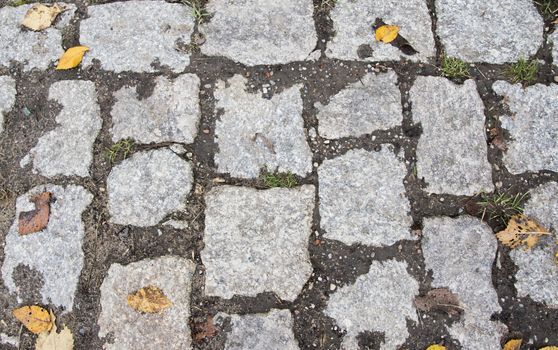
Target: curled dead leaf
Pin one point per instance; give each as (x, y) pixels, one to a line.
(387, 33)
(72, 57)
(35, 318)
(149, 299)
(521, 230)
(35, 220)
(439, 299)
(40, 16)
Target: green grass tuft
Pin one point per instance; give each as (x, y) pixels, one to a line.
(549, 8)
(454, 68)
(16, 3)
(198, 10)
(272, 180)
(501, 206)
(523, 71)
(119, 150)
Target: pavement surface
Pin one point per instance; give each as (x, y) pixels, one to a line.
(287, 181)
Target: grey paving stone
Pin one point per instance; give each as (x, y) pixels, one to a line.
(380, 301)
(460, 253)
(31, 49)
(270, 331)
(132, 330)
(256, 32)
(537, 276)
(67, 150)
(55, 252)
(253, 132)
(532, 125)
(451, 153)
(370, 104)
(353, 21)
(137, 35)
(362, 198)
(7, 97)
(255, 238)
(170, 114)
(491, 31)
(145, 188)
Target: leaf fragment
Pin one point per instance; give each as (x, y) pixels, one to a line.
(35, 318)
(35, 220)
(149, 299)
(549, 348)
(513, 344)
(204, 330)
(41, 16)
(72, 57)
(436, 347)
(387, 33)
(53, 340)
(521, 230)
(439, 299)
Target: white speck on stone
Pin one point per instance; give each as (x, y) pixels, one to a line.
(137, 35)
(132, 330)
(491, 31)
(145, 188)
(452, 151)
(170, 114)
(67, 150)
(256, 32)
(255, 238)
(370, 104)
(353, 21)
(381, 301)
(537, 276)
(533, 126)
(362, 198)
(55, 252)
(460, 253)
(30, 48)
(7, 97)
(270, 331)
(254, 132)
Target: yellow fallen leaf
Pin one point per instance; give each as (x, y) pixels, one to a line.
(149, 299)
(34, 318)
(521, 230)
(72, 57)
(549, 348)
(40, 16)
(513, 344)
(436, 347)
(387, 33)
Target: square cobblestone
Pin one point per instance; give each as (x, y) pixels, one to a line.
(452, 150)
(256, 32)
(256, 241)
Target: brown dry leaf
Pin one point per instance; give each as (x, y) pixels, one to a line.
(72, 57)
(439, 299)
(149, 299)
(35, 220)
(53, 340)
(436, 347)
(35, 318)
(521, 230)
(513, 344)
(204, 330)
(40, 16)
(387, 33)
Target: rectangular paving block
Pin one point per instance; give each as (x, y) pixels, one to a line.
(353, 25)
(254, 132)
(129, 329)
(256, 32)
(32, 49)
(491, 31)
(7, 97)
(451, 153)
(532, 126)
(460, 253)
(55, 252)
(362, 198)
(256, 241)
(137, 35)
(372, 103)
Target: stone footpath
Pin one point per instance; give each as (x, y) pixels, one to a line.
(155, 151)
